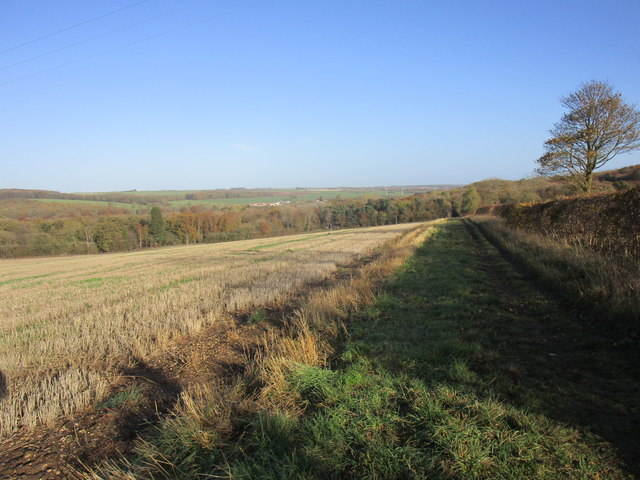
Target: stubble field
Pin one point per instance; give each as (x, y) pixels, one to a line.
(69, 325)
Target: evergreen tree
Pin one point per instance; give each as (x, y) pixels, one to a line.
(470, 200)
(157, 228)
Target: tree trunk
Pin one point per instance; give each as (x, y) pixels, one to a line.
(587, 185)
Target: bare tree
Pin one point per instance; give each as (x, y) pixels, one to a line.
(598, 126)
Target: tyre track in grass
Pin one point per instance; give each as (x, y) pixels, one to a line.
(581, 376)
(461, 369)
(462, 315)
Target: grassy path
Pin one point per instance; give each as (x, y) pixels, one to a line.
(462, 369)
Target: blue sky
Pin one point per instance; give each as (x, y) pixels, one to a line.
(285, 93)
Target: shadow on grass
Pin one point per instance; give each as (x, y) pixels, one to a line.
(460, 318)
(145, 394)
(460, 370)
(4, 389)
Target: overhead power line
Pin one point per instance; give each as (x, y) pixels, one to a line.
(106, 34)
(66, 29)
(135, 42)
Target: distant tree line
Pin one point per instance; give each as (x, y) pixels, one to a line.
(117, 197)
(121, 232)
(32, 227)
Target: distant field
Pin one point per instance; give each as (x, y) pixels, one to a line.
(86, 203)
(44, 204)
(310, 195)
(219, 202)
(292, 197)
(68, 324)
(62, 208)
(159, 193)
(300, 195)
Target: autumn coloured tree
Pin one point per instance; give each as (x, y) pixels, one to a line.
(598, 125)
(30, 227)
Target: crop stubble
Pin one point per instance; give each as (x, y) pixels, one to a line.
(69, 324)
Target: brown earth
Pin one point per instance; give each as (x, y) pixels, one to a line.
(101, 431)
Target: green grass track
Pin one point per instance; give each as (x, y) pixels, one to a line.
(461, 370)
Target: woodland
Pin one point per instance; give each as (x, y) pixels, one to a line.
(37, 222)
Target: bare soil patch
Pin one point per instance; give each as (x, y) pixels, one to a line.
(137, 399)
